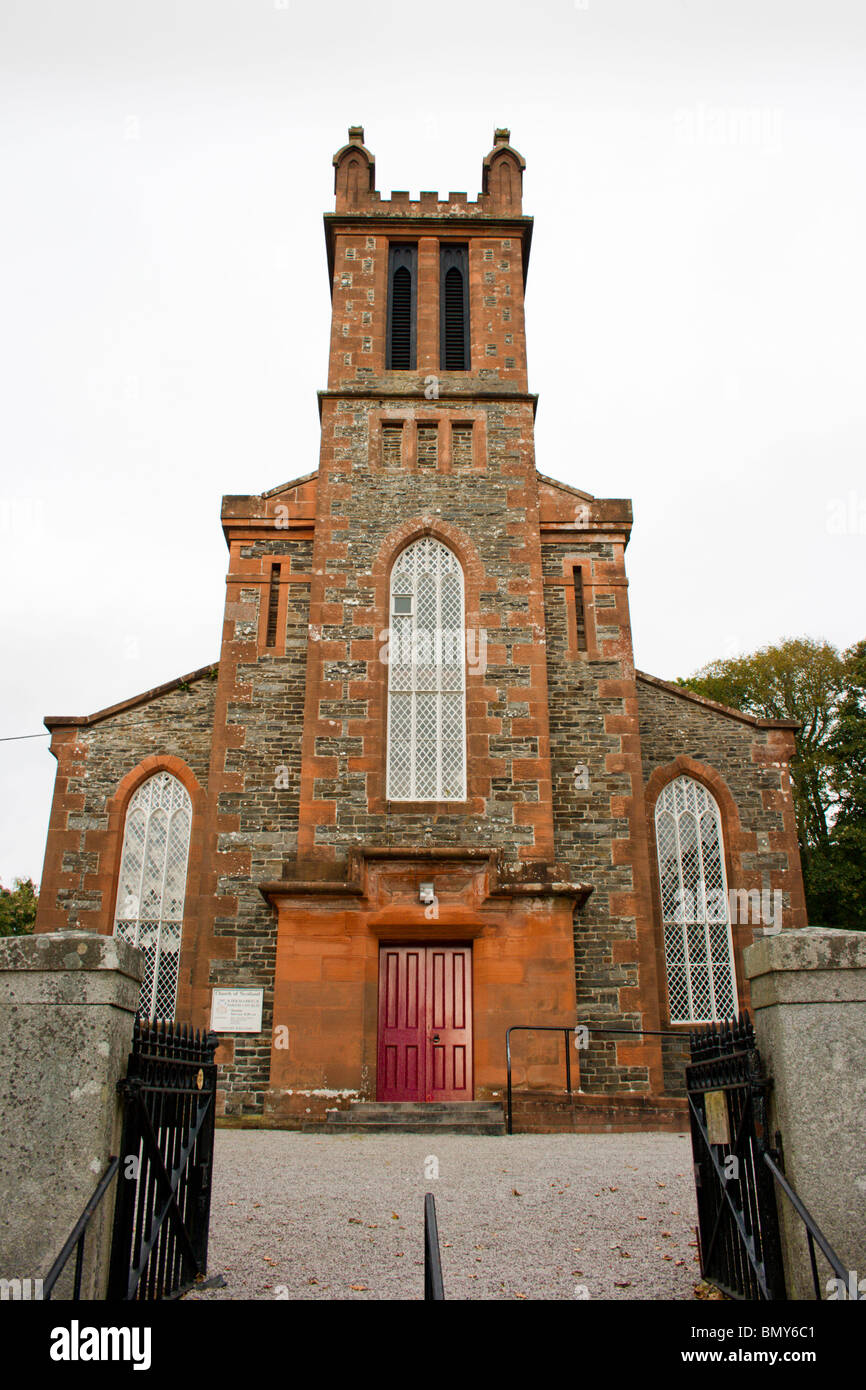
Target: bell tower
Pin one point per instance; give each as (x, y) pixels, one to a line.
(433, 287)
(427, 430)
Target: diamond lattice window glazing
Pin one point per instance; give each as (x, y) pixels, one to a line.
(696, 922)
(426, 677)
(152, 886)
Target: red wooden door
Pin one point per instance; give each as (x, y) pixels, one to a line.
(425, 1023)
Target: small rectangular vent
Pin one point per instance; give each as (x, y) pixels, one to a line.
(273, 606)
(428, 446)
(579, 610)
(461, 446)
(392, 443)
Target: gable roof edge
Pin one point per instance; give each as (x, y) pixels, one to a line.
(714, 707)
(56, 721)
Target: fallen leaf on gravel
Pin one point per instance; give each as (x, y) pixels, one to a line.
(625, 1255)
(576, 1272)
(359, 1288)
(355, 1221)
(641, 1218)
(268, 1261)
(394, 1216)
(312, 1281)
(613, 1189)
(661, 1184)
(666, 1234)
(708, 1292)
(399, 1255)
(520, 1295)
(622, 1283)
(515, 1193)
(679, 1262)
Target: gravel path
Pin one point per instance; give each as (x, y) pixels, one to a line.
(547, 1216)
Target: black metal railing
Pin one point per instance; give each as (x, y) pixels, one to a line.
(814, 1235)
(738, 1222)
(572, 1030)
(162, 1214)
(75, 1240)
(433, 1287)
(738, 1171)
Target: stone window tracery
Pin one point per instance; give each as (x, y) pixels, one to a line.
(426, 751)
(695, 907)
(152, 886)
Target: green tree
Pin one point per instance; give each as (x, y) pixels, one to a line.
(825, 690)
(18, 907)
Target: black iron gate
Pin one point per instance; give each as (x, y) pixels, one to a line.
(740, 1247)
(159, 1242)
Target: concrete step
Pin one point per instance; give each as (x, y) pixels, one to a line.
(454, 1108)
(407, 1127)
(417, 1117)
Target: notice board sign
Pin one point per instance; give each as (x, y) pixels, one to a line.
(236, 1010)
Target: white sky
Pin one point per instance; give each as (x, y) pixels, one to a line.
(696, 304)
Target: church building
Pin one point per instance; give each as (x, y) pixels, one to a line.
(424, 796)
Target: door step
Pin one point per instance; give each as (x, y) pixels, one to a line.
(416, 1117)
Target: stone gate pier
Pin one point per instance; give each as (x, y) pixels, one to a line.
(67, 1007)
(809, 1001)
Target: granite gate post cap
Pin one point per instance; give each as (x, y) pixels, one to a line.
(807, 965)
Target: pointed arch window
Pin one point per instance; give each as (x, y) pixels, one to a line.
(454, 308)
(402, 307)
(696, 921)
(426, 676)
(152, 886)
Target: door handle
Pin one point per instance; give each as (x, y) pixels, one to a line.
(434, 1037)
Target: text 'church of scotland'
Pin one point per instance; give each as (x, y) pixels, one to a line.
(424, 795)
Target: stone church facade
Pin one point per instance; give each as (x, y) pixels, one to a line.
(424, 795)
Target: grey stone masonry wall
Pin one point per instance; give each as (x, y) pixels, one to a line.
(671, 726)
(268, 767)
(67, 1005)
(586, 823)
(178, 722)
(478, 502)
(809, 1001)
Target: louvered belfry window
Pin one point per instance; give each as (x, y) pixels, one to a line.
(454, 308)
(402, 307)
(426, 681)
(696, 921)
(152, 886)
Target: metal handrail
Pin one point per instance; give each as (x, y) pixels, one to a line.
(76, 1237)
(813, 1231)
(566, 1030)
(434, 1290)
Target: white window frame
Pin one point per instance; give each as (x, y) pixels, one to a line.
(430, 681)
(687, 952)
(160, 799)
